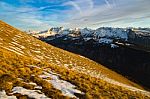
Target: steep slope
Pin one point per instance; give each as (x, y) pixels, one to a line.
(32, 66)
(125, 58)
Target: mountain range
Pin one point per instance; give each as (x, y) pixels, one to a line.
(33, 69)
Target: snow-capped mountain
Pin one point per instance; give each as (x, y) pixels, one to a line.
(102, 35)
(113, 47)
(86, 33)
(31, 68)
(108, 32)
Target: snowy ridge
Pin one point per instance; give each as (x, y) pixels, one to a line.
(111, 33)
(86, 32)
(105, 32)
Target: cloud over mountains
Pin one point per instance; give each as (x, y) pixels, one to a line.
(41, 14)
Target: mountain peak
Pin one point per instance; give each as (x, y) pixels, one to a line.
(31, 68)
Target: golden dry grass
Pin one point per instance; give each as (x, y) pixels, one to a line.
(14, 66)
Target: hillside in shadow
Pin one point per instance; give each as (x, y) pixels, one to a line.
(130, 62)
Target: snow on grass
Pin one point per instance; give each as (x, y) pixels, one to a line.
(82, 56)
(13, 51)
(16, 49)
(14, 39)
(32, 83)
(19, 35)
(37, 94)
(111, 81)
(4, 96)
(66, 88)
(36, 86)
(20, 79)
(39, 57)
(36, 59)
(114, 46)
(37, 45)
(36, 51)
(33, 66)
(21, 46)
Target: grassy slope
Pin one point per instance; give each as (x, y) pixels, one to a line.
(13, 66)
(49, 52)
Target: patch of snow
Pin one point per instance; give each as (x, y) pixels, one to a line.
(4, 96)
(16, 49)
(66, 88)
(21, 46)
(105, 40)
(38, 87)
(75, 38)
(36, 59)
(32, 83)
(20, 79)
(13, 51)
(37, 51)
(114, 46)
(19, 35)
(37, 94)
(15, 43)
(128, 44)
(82, 56)
(38, 45)
(49, 39)
(87, 39)
(66, 65)
(120, 43)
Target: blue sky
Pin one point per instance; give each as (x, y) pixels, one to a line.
(44, 14)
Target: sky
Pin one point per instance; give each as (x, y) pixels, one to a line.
(44, 14)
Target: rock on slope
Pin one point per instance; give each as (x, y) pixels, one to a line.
(30, 68)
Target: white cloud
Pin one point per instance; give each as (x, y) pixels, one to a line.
(108, 4)
(80, 13)
(111, 11)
